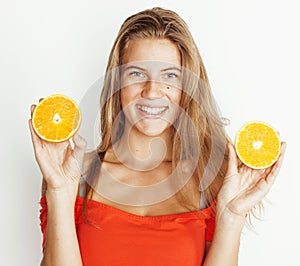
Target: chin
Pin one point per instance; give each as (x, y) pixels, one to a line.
(152, 131)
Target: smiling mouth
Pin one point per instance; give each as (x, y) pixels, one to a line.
(153, 111)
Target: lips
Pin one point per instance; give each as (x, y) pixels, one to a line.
(155, 111)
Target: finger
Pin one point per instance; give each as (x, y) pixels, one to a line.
(269, 175)
(245, 170)
(270, 178)
(79, 147)
(232, 162)
(267, 171)
(257, 174)
(251, 177)
(67, 152)
(36, 141)
(258, 192)
(264, 185)
(270, 169)
(60, 149)
(32, 107)
(41, 99)
(283, 148)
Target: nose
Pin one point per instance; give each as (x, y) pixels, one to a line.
(152, 89)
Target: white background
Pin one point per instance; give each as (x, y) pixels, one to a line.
(251, 52)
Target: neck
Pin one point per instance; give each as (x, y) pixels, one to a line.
(143, 152)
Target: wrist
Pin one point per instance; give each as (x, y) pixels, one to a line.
(226, 218)
(64, 197)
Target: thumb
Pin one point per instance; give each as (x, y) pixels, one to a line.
(79, 147)
(232, 161)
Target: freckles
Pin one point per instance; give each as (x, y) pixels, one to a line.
(129, 94)
(123, 96)
(176, 95)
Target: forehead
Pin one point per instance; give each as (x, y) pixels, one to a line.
(162, 51)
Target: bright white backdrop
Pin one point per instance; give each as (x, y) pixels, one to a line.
(251, 52)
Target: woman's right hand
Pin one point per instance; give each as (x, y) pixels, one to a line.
(60, 165)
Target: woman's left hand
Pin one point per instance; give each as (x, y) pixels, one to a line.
(244, 187)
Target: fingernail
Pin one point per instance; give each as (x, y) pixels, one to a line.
(284, 147)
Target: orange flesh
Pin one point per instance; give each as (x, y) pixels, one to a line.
(257, 145)
(56, 118)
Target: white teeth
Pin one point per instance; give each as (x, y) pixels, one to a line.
(152, 110)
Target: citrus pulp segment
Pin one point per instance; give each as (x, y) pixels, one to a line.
(257, 145)
(56, 118)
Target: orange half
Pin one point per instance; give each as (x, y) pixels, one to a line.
(257, 144)
(56, 118)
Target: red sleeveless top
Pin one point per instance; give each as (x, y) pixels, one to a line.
(117, 238)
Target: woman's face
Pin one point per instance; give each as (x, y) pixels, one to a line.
(151, 85)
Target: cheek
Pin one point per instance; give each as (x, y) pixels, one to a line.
(176, 96)
(128, 94)
(125, 97)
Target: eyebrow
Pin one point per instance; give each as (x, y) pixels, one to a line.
(143, 69)
(172, 68)
(134, 67)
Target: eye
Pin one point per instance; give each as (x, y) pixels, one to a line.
(136, 74)
(171, 75)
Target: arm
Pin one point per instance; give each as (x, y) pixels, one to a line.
(224, 248)
(242, 189)
(60, 165)
(61, 240)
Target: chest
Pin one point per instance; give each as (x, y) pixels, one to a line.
(167, 207)
(122, 188)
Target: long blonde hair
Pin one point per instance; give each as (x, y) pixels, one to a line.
(196, 101)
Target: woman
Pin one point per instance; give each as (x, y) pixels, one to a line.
(164, 186)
